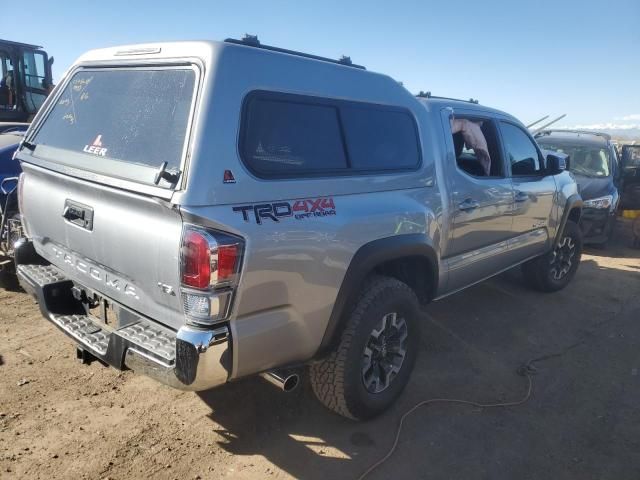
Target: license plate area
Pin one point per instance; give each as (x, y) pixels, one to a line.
(102, 310)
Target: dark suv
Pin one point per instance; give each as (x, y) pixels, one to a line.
(594, 163)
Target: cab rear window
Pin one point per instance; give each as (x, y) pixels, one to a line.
(131, 116)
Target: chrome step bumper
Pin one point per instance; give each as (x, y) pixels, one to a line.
(189, 359)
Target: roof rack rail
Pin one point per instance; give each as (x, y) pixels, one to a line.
(549, 131)
(20, 44)
(252, 41)
(422, 94)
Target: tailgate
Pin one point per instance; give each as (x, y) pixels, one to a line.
(120, 244)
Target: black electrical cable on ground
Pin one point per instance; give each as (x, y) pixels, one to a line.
(526, 370)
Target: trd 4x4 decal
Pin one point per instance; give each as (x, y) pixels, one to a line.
(298, 209)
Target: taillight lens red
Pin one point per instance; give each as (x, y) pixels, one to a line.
(227, 258)
(208, 261)
(196, 260)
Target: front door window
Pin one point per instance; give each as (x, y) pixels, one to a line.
(521, 151)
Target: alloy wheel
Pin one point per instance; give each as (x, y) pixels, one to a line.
(384, 352)
(562, 258)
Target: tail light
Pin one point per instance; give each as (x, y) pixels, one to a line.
(210, 267)
(196, 260)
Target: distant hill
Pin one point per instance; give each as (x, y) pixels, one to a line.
(626, 133)
(630, 134)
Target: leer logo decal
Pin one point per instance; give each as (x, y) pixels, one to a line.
(96, 147)
(299, 209)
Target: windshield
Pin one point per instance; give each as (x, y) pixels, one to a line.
(120, 119)
(584, 160)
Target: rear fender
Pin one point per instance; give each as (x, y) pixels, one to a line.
(364, 262)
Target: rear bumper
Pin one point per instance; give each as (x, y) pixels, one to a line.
(189, 359)
(596, 224)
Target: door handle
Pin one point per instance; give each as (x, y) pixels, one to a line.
(468, 204)
(522, 197)
(78, 214)
(72, 214)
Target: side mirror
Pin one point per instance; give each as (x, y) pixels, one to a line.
(557, 163)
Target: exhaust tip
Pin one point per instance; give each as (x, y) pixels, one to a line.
(287, 381)
(291, 383)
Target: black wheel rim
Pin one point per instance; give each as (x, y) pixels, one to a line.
(384, 353)
(562, 258)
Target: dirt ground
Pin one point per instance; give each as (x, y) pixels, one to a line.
(60, 419)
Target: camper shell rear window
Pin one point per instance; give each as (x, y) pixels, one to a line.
(122, 122)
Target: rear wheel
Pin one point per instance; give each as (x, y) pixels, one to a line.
(373, 360)
(554, 271)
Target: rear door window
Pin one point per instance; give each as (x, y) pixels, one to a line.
(470, 161)
(120, 118)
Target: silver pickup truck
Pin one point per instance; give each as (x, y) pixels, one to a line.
(203, 211)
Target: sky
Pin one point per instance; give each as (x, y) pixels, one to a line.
(529, 58)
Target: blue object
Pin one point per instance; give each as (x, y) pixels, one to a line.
(8, 167)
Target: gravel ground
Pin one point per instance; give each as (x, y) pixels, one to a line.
(60, 419)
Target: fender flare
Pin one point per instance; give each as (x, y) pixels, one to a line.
(573, 202)
(364, 261)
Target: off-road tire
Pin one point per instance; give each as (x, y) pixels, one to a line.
(538, 272)
(337, 379)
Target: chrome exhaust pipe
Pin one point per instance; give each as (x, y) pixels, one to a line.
(285, 380)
